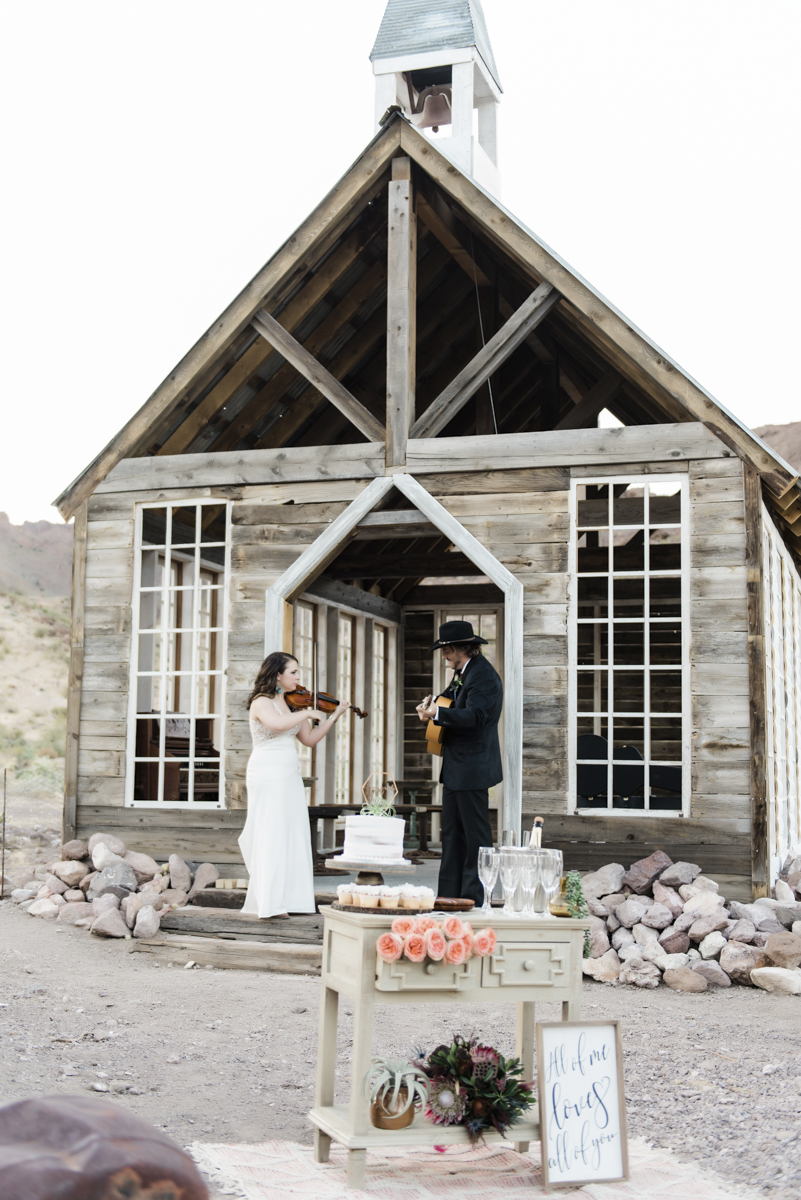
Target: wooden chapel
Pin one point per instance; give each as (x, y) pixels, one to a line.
(396, 423)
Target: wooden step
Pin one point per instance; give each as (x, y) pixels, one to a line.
(231, 925)
(288, 958)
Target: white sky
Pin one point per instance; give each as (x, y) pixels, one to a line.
(156, 154)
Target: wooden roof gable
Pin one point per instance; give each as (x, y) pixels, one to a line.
(495, 318)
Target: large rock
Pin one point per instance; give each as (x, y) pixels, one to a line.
(74, 849)
(43, 908)
(115, 844)
(641, 875)
(600, 883)
(147, 922)
(612, 923)
(622, 937)
(713, 973)
(786, 915)
(139, 900)
(173, 898)
(57, 886)
(143, 866)
(74, 896)
(70, 871)
(668, 897)
(784, 949)
(68, 914)
(796, 928)
(102, 904)
(643, 935)
(658, 916)
(739, 960)
(710, 923)
(777, 979)
(20, 895)
(599, 940)
(685, 921)
(703, 883)
(742, 931)
(605, 969)
(119, 875)
(794, 880)
(631, 911)
(614, 900)
(668, 962)
(596, 907)
(673, 941)
(770, 926)
(86, 882)
(712, 945)
(685, 979)
(628, 952)
(703, 903)
(679, 873)
(747, 912)
(102, 857)
(110, 924)
(180, 874)
(641, 974)
(783, 892)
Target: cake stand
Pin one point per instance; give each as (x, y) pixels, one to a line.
(369, 874)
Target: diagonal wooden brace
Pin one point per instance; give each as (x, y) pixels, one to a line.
(318, 377)
(486, 362)
(596, 399)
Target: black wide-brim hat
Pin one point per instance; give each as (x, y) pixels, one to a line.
(457, 631)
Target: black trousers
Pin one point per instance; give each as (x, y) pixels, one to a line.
(465, 827)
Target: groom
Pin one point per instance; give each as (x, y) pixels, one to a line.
(471, 756)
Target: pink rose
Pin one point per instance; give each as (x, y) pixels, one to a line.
(493, 940)
(423, 924)
(403, 926)
(482, 943)
(435, 944)
(453, 927)
(389, 947)
(456, 952)
(414, 947)
(468, 939)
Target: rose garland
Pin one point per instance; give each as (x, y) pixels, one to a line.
(417, 938)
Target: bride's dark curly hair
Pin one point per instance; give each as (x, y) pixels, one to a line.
(267, 678)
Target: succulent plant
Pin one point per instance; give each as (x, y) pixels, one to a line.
(388, 1077)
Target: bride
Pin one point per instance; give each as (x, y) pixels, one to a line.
(275, 842)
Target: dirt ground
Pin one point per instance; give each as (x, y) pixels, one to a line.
(214, 1055)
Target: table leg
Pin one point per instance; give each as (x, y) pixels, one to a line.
(361, 1057)
(524, 1048)
(357, 1162)
(423, 832)
(326, 1049)
(571, 1009)
(322, 1146)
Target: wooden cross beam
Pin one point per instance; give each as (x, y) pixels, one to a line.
(594, 402)
(450, 401)
(318, 376)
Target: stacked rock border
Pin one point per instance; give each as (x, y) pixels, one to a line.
(110, 890)
(665, 922)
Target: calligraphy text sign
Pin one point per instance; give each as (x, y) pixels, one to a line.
(581, 1102)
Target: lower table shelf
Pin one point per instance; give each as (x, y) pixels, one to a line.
(334, 1122)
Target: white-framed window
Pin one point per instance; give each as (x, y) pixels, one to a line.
(628, 645)
(378, 715)
(177, 697)
(343, 768)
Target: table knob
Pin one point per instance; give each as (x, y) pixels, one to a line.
(432, 968)
(529, 964)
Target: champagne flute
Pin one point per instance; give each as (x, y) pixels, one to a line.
(488, 867)
(551, 874)
(510, 877)
(529, 875)
(508, 838)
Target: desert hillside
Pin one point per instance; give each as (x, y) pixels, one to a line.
(785, 439)
(35, 557)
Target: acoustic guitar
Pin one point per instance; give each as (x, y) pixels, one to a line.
(434, 733)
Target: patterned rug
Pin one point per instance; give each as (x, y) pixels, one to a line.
(283, 1170)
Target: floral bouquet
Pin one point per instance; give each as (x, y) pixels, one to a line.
(474, 1086)
(451, 940)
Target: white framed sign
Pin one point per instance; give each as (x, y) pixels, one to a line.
(582, 1103)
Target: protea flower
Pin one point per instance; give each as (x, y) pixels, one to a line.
(485, 1062)
(446, 1103)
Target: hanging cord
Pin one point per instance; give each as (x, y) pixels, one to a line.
(481, 327)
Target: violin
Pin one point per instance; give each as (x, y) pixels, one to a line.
(302, 698)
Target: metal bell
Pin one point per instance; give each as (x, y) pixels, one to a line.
(434, 106)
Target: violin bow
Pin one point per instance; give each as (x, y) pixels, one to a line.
(314, 674)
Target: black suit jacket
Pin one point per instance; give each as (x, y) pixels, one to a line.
(471, 754)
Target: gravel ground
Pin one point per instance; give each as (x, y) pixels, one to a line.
(229, 1056)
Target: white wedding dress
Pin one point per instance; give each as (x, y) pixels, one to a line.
(275, 843)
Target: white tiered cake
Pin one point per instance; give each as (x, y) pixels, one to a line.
(377, 840)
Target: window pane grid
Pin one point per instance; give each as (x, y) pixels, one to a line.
(177, 747)
(628, 668)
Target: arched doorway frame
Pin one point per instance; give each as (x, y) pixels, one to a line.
(314, 559)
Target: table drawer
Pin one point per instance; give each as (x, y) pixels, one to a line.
(405, 976)
(526, 964)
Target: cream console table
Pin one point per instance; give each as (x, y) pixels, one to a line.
(533, 961)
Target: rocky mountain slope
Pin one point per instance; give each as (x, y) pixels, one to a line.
(35, 557)
(785, 439)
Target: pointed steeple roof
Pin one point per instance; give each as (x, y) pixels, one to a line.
(425, 26)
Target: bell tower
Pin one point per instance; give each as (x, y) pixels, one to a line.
(434, 60)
